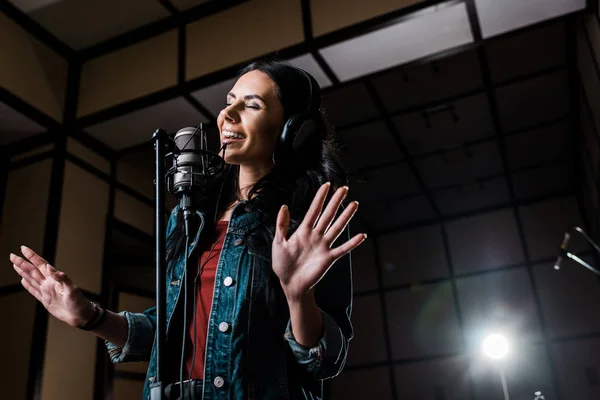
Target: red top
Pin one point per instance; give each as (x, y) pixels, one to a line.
(204, 298)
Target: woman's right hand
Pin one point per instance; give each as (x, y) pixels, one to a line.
(53, 288)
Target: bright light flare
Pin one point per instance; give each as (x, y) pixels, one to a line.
(495, 346)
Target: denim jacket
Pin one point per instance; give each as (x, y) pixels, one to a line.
(249, 354)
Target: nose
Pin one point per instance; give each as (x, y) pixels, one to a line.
(230, 114)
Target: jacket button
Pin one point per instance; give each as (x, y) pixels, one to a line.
(223, 326)
(219, 382)
(228, 281)
(248, 208)
(238, 242)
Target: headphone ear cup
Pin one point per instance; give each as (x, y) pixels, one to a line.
(295, 132)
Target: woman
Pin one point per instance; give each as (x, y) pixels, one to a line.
(272, 290)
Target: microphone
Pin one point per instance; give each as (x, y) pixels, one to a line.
(193, 168)
(563, 250)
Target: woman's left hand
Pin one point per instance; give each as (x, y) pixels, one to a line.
(303, 259)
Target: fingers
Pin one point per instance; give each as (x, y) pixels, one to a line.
(348, 246)
(316, 206)
(26, 268)
(283, 224)
(35, 292)
(27, 278)
(331, 209)
(33, 257)
(340, 224)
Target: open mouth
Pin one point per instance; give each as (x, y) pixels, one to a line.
(229, 136)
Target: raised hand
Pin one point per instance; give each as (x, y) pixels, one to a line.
(302, 260)
(53, 288)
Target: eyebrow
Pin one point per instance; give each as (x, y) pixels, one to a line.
(248, 97)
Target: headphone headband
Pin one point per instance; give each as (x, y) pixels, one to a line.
(313, 95)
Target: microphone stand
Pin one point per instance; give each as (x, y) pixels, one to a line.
(210, 165)
(160, 139)
(565, 253)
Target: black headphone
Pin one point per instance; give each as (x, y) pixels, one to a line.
(300, 126)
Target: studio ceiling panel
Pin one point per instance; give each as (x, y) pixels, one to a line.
(484, 241)
(367, 320)
(94, 21)
(446, 125)
(591, 140)
(497, 17)
(186, 4)
(566, 295)
(385, 183)
(214, 97)
(577, 368)
(332, 15)
(513, 56)
(545, 224)
(247, 31)
(138, 127)
(368, 145)
(351, 384)
(460, 165)
(14, 126)
(548, 179)
(416, 316)
(412, 255)
(523, 149)
(394, 214)
(532, 102)
(348, 104)
(440, 379)
(472, 196)
(308, 63)
(418, 84)
(364, 270)
(423, 33)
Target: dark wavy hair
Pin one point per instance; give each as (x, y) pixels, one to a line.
(294, 183)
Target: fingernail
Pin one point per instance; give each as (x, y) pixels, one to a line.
(346, 188)
(284, 206)
(327, 183)
(365, 235)
(356, 203)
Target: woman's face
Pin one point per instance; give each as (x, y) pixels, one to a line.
(251, 121)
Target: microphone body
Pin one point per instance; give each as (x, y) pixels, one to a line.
(194, 167)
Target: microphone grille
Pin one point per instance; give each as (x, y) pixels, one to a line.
(188, 139)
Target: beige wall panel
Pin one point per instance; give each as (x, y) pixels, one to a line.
(31, 153)
(331, 15)
(135, 213)
(244, 32)
(127, 389)
(18, 313)
(80, 246)
(33, 72)
(69, 363)
(134, 303)
(24, 214)
(129, 73)
(85, 153)
(137, 171)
